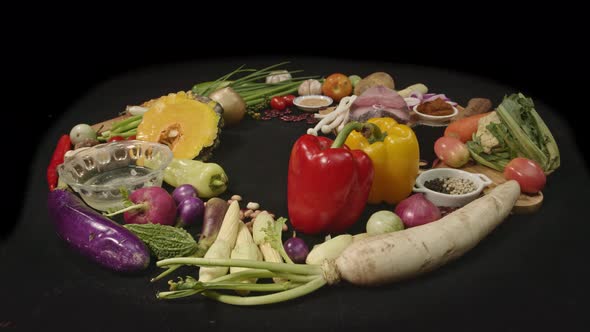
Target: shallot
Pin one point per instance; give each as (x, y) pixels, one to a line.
(417, 210)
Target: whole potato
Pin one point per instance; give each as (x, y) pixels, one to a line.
(375, 79)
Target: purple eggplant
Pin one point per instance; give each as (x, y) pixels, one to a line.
(95, 236)
(215, 210)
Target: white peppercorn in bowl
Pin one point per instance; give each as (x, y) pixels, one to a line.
(473, 183)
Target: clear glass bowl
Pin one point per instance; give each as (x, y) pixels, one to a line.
(99, 173)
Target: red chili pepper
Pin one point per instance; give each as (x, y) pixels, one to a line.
(328, 184)
(116, 139)
(63, 145)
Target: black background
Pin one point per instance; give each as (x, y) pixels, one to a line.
(53, 69)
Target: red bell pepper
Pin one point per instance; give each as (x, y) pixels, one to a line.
(328, 184)
(63, 145)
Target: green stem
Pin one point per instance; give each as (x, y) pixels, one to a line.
(246, 274)
(236, 286)
(178, 294)
(216, 184)
(304, 269)
(126, 121)
(369, 130)
(270, 298)
(280, 90)
(172, 268)
(128, 133)
(217, 181)
(165, 273)
(129, 208)
(273, 287)
(127, 127)
(296, 277)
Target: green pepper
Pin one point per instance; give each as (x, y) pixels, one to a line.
(208, 178)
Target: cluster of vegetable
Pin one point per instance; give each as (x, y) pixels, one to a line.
(513, 139)
(515, 129)
(373, 159)
(366, 260)
(236, 96)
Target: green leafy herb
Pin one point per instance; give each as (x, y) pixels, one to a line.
(521, 133)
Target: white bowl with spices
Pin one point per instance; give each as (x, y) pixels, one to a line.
(312, 103)
(462, 187)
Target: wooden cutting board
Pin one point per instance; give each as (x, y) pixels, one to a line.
(526, 203)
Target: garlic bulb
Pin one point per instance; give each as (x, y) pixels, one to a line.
(278, 76)
(310, 87)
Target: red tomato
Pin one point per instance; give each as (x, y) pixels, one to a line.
(132, 137)
(278, 103)
(527, 173)
(337, 86)
(288, 99)
(116, 138)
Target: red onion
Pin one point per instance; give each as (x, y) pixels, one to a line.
(417, 94)
(190, 211)
(296, 249)
(417, 210)
(183, 192)
(416, 98)
(412, 101)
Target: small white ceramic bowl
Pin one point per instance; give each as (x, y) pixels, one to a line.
(439, 199)
(298, 102)
(434, 118)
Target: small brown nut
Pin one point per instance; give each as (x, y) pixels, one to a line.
(250, 225)
(236, 198)
(253, 206)
(248, 213)
(241, 214)
(285, 227)
(255, 214)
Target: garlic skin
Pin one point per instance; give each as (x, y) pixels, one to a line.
(310, 87)
(278, 76)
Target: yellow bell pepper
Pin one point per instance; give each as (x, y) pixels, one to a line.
(395, 160)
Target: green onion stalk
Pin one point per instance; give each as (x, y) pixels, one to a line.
(255, 94)
(124, 128)
(301, 279)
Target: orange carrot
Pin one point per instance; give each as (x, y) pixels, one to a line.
(463, 129)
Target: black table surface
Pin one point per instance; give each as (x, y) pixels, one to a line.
(527, 274)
